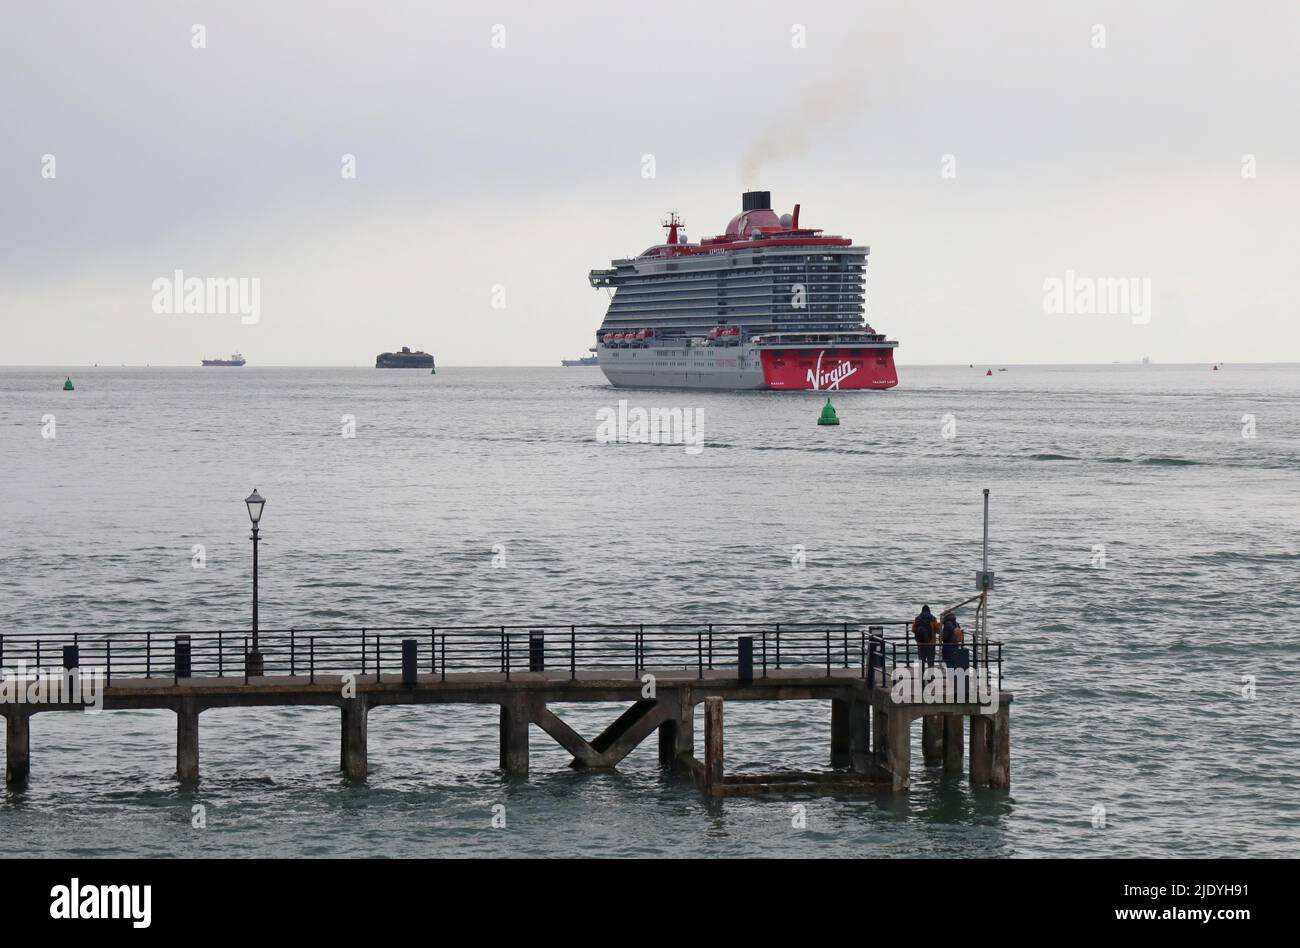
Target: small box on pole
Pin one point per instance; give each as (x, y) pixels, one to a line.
(745, 664)
(71, 656)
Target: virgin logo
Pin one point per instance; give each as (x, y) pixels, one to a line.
(829, 380)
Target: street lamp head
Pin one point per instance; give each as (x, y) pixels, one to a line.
(255, 503)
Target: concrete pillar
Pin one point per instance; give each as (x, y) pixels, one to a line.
(932, 738)
(18, 746)
(880, 737)
(353, 744)
(1000, 776)
(514, 737)
(187, 740)
(713, 770)
(952, 743)
(840, 754)
(981, 750)
(860, 736)
(900, 748)
(677, 735)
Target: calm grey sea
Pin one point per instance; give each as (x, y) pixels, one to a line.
(1131, 680)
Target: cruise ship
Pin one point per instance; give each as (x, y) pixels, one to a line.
(769, 304)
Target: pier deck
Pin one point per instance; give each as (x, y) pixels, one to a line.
(853, 669)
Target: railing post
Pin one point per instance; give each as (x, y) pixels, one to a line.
(443, 661)
(763, 634)
(312, 658)
(148, 654)
(505, 640)
(38, 657)
(221, 668)
(778, 645)
(379, 672)
(710, 646)
(846, 645)
(108, 660)
(433, 650)
(245, 659)
(293, 667)
(573, 653)
(828, 653)
(699, 652)
(363, 651)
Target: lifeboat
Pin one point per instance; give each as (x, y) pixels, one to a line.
(607, 338)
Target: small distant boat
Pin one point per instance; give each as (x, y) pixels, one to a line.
(235, 359)
(585, 360)
(406, 359)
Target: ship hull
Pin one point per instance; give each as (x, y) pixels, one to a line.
(750, 368)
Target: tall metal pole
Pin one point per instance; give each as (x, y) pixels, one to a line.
(986, 529)
(985, 630)
(255, 538)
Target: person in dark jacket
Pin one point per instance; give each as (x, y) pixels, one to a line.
(924, 628)
(951, 634)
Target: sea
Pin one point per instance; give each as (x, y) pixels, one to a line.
(1144, 534)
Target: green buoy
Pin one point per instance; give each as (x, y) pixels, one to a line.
(828, 416)
(67, 385)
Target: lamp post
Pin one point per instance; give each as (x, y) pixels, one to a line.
(255, 503)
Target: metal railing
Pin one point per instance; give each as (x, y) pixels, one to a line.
(868, 650)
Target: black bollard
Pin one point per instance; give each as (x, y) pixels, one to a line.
(183, 669)
(745, 670)
(536, 650)
(408, 663)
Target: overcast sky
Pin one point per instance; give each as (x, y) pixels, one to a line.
(522, 167)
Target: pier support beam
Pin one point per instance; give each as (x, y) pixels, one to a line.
(952, 743)
(677, 735)
(713, 770)
(932, 738)
(187, 741)
(981, 750)
(899, 749)
(18, 746)
(840, 717)
(514, 737)
(860, 736)
(352, 754)
(1000, 777)
(880, 737)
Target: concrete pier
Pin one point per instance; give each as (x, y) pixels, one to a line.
(870, 733)
(18, 746)
(352, 751)
(952, 743)
(932, 738)
(514, 736)
(187, 740)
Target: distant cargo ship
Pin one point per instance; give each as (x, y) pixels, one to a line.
(770, 304)
(235, 359)
(585, 360)
(406, 359)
